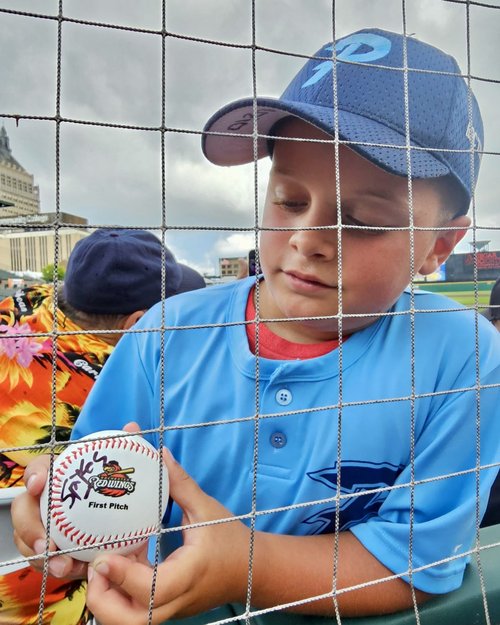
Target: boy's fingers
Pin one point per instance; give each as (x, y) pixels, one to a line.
(108, 604)
(61, 566)
(183, 489)
(195, 503)
(135, 580)
(30, 538)
(28, 527)
(132, 427)
(35, 474)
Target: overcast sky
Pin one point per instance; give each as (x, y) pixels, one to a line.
(113, 176)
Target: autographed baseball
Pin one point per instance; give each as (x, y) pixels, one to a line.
(105, 493)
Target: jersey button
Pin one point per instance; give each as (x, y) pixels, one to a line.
(283, 397)
(278, 440)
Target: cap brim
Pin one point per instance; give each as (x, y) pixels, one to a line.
(234, 127)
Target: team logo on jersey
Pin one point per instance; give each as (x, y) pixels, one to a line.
(355, 478)
(113, 481)
(360, 48)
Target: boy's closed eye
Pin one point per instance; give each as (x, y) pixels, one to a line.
(372, 212)
(291, 205)
(363, 228)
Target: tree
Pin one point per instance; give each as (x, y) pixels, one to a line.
(48, 273)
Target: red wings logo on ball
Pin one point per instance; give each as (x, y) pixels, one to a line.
(113, 481)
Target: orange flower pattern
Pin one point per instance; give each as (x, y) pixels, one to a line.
(45, 377)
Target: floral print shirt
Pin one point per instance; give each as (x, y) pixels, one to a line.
(44, 380)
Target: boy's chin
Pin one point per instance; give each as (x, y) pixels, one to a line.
(355, 324)
(320, 330)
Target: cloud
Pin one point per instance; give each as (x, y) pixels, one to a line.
(235, 245)
(112, 76)
(231, 189)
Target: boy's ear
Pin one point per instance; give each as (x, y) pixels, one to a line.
(444, 244)
(132, 319)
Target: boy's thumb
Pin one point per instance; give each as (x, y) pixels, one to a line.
(183, 489)
(111, 571)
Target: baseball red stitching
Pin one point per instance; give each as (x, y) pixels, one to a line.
(57, 513)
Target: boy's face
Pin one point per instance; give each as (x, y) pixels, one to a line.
(301, 267)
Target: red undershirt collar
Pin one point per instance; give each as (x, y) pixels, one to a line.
(275, 347)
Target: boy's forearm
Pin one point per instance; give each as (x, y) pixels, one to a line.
(291, 568)
(211, 569)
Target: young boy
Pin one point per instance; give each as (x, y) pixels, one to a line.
(368, 396)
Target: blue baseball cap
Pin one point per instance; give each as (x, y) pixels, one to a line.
(445, 125)
(114, 272)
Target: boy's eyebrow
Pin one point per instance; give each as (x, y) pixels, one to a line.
(378, 193)
(395, 204)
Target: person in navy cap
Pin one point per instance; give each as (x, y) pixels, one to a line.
(336, 409)
(492, 514)
(119, 272)
(113, 276)
(493, 312)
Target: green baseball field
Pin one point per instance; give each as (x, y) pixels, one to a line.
(463, 292)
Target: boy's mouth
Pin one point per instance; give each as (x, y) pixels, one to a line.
(303, 280)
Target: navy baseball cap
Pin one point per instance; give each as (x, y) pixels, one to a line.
(445, 125)
(493, 312)
(116, 271)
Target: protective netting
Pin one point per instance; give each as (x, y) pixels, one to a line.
(115, 99)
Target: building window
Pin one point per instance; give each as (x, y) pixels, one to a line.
(43, 251)
(31, 254)
(15, 255)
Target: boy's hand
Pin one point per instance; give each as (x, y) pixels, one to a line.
(29, 532)
(210, 569)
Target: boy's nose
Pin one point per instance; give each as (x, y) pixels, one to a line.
(320, 243)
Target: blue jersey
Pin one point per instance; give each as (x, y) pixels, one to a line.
(307, 431)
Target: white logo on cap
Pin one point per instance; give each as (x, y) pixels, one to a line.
(475, 139)
(349, 49)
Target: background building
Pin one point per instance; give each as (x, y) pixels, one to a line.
(17, 187)
(32, 251)
(28, 239)
(228, 267)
